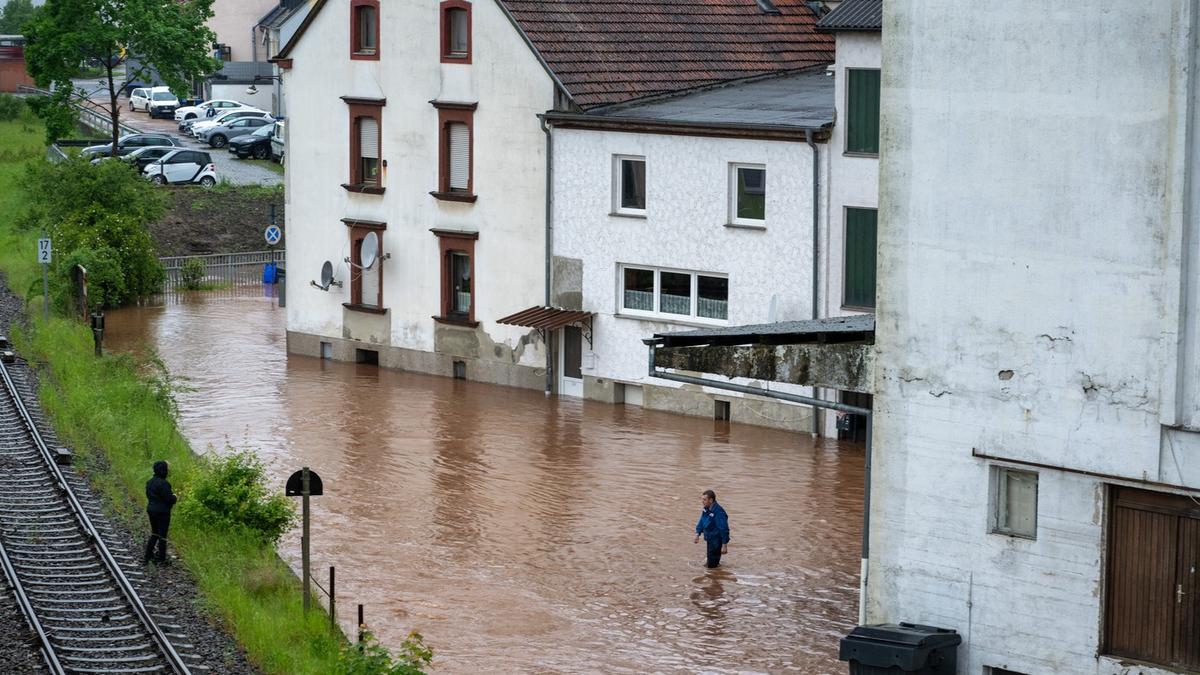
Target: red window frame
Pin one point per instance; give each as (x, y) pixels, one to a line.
(447, 26)
(359, 108)
(355, 42)
(358, 230)
(452, 113)
(453, 241)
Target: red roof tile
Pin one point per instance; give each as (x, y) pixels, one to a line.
(607, 51)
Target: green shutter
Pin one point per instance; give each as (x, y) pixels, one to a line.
(859, 289)
(862, 111)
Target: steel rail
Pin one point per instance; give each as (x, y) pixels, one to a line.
(47, 648)
(174, 661)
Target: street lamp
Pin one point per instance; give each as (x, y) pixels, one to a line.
(252, 90)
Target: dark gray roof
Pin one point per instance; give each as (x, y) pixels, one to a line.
(280, 13)
(858, 328)
(854, 15)
(802, 100)
(242, 72)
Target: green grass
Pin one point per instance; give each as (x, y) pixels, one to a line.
(117, 414)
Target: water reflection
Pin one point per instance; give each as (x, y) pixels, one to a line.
(520, 533)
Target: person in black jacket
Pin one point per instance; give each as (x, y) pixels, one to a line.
(159, 500)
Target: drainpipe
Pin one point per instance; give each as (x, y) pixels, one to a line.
(815, 403)
(254, 43)
(816, 249)
(546, 128)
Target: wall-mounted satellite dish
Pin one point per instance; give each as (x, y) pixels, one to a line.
(370, 250)
(327, 279)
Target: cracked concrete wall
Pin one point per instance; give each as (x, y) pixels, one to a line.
(846, 367)
(1030, 199)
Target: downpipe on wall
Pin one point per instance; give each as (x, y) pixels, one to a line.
(815, 403)
(548, 129)
(816, 249)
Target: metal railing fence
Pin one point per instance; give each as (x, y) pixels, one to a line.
(234, 269)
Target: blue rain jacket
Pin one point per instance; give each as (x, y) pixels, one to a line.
(714, 524)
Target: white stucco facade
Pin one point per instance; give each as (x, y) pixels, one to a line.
(685, 228)
(1036, 224)
(234, 23)
(510, 88)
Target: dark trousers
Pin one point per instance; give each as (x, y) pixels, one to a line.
(159, 524)
(714, 552)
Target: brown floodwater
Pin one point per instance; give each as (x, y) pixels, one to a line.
(520, 533)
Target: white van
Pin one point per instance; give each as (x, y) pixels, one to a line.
(162, 102)
(279, 140)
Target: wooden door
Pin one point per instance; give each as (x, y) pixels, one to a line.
(1187, 595)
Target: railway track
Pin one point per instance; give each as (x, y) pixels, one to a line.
(78, 596)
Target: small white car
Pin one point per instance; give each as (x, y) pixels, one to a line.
(199, 126)
(139, 99)
(217, 106)
(278, 140)
(182, 167)
(162, 102)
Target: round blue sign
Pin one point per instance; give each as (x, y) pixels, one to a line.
(273, 235)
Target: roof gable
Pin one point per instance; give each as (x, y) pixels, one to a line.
(864, 15)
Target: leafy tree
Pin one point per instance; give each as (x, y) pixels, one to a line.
(14, 16)
(167, 36)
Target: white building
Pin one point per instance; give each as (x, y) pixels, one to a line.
(233, 22)
(445, 163)
(697, 210)
(1037, 461)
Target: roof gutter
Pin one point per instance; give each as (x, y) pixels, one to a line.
(777, 132)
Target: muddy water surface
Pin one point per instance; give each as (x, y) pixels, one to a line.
(526, 534)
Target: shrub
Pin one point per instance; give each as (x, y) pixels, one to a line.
(370, 658)
(231, 491)
(193, 273)
(11, 108)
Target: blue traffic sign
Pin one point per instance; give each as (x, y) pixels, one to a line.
(273, 235)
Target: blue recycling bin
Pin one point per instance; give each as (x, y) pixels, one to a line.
(269, 273)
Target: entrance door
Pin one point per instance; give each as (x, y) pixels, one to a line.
(570, 362)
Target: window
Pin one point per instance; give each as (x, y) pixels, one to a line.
(456, 31)
(674, 294)
(858, 283)
(366, 157)
(1014, 502)
(747, 194)
(629, 185)
(1152, 599)
(862, 111)
(459, 297)
(366, 283)
(456, 170)
(364, 30)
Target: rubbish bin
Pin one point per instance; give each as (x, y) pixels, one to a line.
(890, 648)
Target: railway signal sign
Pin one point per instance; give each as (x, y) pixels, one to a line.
(44, 256)
(273, 234)
(304, 483)
(44, 252)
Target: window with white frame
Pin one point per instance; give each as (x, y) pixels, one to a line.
(747, 194)
(629, 185)
(674, 294)
(1014, 497)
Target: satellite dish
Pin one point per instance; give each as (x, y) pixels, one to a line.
(326, 274)
(370, 250)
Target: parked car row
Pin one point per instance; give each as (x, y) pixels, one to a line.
(159, 158)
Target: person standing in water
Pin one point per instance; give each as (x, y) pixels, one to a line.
(714, 527)
(159, 500)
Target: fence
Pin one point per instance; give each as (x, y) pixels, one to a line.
(91, 114)
(233, 269)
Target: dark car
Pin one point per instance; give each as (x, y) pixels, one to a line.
(129, 143)
(257, 144)
(142, 157)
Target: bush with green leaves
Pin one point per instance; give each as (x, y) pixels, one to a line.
(98, 214)
(370, 658)
(231, 491)
(193, 273)
(11, 108)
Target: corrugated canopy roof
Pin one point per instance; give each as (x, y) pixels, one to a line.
(545, 318)
(854, 15)
(858, 328)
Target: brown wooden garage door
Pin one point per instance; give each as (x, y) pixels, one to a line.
(1152, 610)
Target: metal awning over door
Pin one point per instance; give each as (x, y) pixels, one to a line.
(551, 318)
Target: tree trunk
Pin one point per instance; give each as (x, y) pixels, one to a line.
(114, 109)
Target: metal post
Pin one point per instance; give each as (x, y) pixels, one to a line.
(304, 539)
(98, 332)
(360, 623)
(46, 291)
(332, 598)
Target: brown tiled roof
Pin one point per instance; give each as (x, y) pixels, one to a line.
(608, 51)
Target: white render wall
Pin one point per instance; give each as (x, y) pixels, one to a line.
(687, 193)
(1030, 221)
(234, 20)
(510, 87)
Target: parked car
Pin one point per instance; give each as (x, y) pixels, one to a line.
(196, 126)
(256, 145)
(162, 102)
(207, 109)
(219, 135)
(182, 166)
(140, 157)
(139, 99)
(278, 140)
(130, 142)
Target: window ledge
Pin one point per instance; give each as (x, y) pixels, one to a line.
(455, 196)
(369, 309)
(455, 321)
(858, 308)
(855, 153)
(715, 323)
(364, 189)
(618, 214)
(746, 226)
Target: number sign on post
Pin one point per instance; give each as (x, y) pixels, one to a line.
(44, 256)
(44, 251)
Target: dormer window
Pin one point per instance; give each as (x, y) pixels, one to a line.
(364, 30)
(456, 31)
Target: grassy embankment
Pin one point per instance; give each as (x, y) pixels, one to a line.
(116, 414)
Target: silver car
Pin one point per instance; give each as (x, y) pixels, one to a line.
(219, 135)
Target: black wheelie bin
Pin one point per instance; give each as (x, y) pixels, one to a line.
(893, 648)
